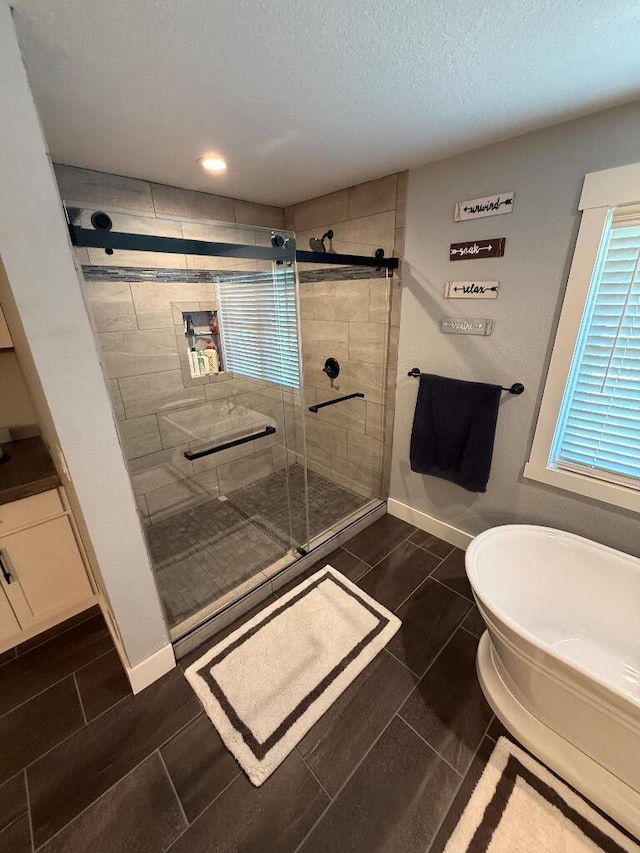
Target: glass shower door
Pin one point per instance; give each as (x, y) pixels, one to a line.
(259, 316)
(202, 354)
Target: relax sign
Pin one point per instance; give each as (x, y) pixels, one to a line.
(472, 290)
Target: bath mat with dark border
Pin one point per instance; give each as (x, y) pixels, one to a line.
(265, 685)
(519, 806)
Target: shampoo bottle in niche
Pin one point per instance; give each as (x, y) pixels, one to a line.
(203, 363)
(211, 354)
(194, 364)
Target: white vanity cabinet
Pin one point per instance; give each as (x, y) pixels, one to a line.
(42, 573)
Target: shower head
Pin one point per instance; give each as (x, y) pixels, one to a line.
(317, 245)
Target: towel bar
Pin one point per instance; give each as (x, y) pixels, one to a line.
(516, 388)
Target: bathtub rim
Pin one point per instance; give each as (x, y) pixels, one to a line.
(470, 563)
(616, 799)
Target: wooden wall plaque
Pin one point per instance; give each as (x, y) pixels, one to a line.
(491, 247)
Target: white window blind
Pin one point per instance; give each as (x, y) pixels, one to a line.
(259, 325)
(598, 431)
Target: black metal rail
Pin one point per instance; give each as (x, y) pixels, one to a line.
(198, 454)
(303, 257)
(333, 402)
(110, 240)
(150, 243)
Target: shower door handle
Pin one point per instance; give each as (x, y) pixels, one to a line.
(198, 454)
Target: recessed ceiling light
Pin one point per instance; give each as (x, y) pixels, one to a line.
(213, 164)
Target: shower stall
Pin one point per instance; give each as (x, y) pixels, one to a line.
(248, 383)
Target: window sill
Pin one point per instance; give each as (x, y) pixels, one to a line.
(608, 493)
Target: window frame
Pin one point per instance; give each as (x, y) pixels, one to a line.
(602, 192)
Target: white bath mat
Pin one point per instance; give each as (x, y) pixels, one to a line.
(518, 806)
(265, 685)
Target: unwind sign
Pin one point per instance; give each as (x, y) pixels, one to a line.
(491, 205)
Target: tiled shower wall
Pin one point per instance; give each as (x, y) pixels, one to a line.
(358, 323)
(161, 410)
(160, 407)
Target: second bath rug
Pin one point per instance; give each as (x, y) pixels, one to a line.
(267, 683)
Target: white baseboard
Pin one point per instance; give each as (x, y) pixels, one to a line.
(151, 669)
(452, 535)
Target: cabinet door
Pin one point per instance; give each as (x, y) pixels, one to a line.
(8, 622)
(46, 568)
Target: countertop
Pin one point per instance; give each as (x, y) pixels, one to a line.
(28, 471)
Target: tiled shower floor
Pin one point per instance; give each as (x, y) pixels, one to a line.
(205, 552)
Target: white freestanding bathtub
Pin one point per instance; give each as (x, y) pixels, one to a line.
(560, 663)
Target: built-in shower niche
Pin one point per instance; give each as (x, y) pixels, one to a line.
(203, 343)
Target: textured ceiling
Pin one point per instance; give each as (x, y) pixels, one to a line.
(302, 98)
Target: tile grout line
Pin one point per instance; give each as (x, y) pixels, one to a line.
(434, 659)
(387, 554)
(343, 786)
(404, 665)
(55, 636)
(413, 592)
(377, 563)
(423, 548)
(173, 788)
(26, 791)
(124, 698)
(106, 791)
(219, 794)
(354, 770)
(8, 660)
(53, 684)
(84, 716)
(469, 600)
(205, 809)
(461, 783)
(92, 803)
(304, 761)
(467, 630)
(438, 652)
(431, 746)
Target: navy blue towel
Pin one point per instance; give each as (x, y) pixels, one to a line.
(453, 430)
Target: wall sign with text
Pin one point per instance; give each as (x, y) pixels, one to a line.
(491, 247)
(491, 205)
(472, 289)
(462, 326)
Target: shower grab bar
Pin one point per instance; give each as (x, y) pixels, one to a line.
(333, 402)
(198, 454)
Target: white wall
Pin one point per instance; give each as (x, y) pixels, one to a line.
(546, 170)
(47, 303)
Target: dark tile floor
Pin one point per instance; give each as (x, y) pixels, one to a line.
(86, 766)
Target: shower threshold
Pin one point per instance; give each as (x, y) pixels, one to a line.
(208, 555)
(220, 613)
